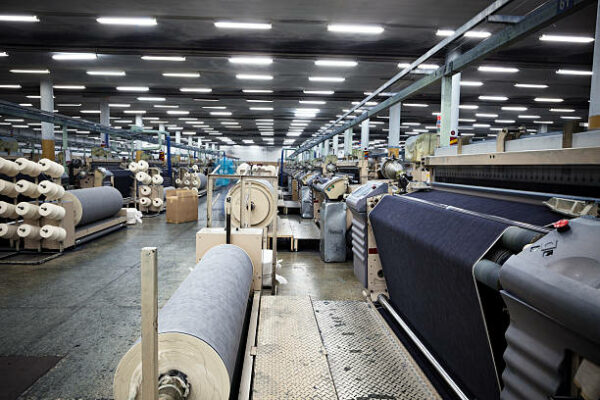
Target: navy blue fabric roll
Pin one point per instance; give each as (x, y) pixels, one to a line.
(528, 213)
(427, 254)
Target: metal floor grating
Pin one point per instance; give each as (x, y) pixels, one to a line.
(290, 360)
(366, 360)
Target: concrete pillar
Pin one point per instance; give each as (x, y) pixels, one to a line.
(594, 114)
(105, 120)
(348, 142)
(138, 121)
(364, 136)
(326, 148)
(178, 137)
(394, 133)
(543, 128)
(335, 145)
(450, 106)
(190, 141)
(213, 146)
(47, 104)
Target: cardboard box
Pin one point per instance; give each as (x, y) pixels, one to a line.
(182, 206)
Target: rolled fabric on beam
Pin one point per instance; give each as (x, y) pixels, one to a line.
(94, 204)
(157, 202)
(51, 190)
(263, 204)
(29, 231)
(145, 201)
(8, 168)
(8, 188)
(201, 178)
(145, 190)
(8, 231)
(8, 210)
(52, 211)
(200, 328)
(52, 232)
(28, 210)
(27, 188)
(143, 165)
(133, 167)
(143, 178)
(157, 179)
(28, 167)
(51, 168)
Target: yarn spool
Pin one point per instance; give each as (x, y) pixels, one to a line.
(8, 168)
(8, 231)
(51, 168)
(29, 231)
(28, 210)
(187, 182)
(27, 188)
(157, 179)
(145, 201)
(8, 188)
(133, 167)
(195, 168)
(51, 190)
(143, 165)
(52, 211)
(8, 210)
(143, 177)
(28, 167)
(52, 232)
(187, 175)
(145, 190)
(178, 182)
(157, 202)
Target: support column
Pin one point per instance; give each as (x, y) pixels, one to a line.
(449, 110)
(326, 148)
(190, 141)
(348, 142)
(335, 145)
(364, 137)
(47, 104)
(138, 121)
(543, 128)
(594, 114)
(105, 120)
(178, 137)
(394, 133)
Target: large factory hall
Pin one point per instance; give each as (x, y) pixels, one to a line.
(300, 200)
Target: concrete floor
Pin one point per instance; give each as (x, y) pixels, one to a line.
(84, 306)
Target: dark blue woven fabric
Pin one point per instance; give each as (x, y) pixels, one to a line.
(528, 213)
(427, 254)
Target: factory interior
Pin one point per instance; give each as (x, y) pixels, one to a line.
(303, 200)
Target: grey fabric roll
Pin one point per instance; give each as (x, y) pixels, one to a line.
(96, 203)
(211, 302)
(203, 180)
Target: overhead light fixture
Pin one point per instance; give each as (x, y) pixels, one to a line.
(18, 18)
(477, 34)
(214, 107)
(69, 87)
(261, 108)
(319, 92)
(562, 110)
(68, 105)
(151, 98)
(543, 122)
(466, 107)
(514, 108)
(242, 25)
(134, 112)
(163, 58)
(220, 113)
(74, 56)
(195, 90)
(493, 98)
(133, 88)
(106, 73)
(485, 115)
(574, 72)
(312, 102)
(10, 86)
(90, 111)
(30, 71)
(326, 79)
(421, 105)
(257, 91)
(258, 101)
(134, 21)
(548, 100)
(481, 125)
(529, 116)
(251, 60)
(459, 120)
(566, 39)
(165, 106)
(471, 83)
(181, 74)
(489, 68)
(118, 105)
(530, 86)
(505, 121)
(177, 112)
(336, 63)
(255, 77)
(569, 117)
(355, 29)
(26, 104)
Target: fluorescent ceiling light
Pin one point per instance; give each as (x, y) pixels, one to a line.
(465, 107)
(74, 56)
(119, 105)
(214, 107)
(477, 34)
(18, 18)
(321, 92)
(471, 83)
(529, 116)
(90, 111)
(223, 113)
(177, 112)
(242, 25)
(10, 86)
(26, 104)
(481, 125)
(459, 120)
(68, 105)
(514, 108)
(569, 117)
(484, 115)
(206, 100)
(151, 98)
(135, 21)
(30, 71)
(566, 39)
(257, 91)
(133, 88)
(355, 29)
(336, 63)
(181, 74)
(505, 121)
(134, 112)
(150, 118)
(411, 123)
(562, 110)
(3, 54)
(195, 90)
(493, 98)
(574, 72)
(106, 73)
(261, 108)
(530, 86)
(165, 106)
(312, 102)
(69, 87)
(258, 101)
(382, 94)
(548, 100)
(251, 60)
(163, 58)
(326, 79)
(543, 122)
(422, 105)
(255, 77)
(489, 68)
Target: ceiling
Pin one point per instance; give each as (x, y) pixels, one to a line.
(298, 37)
